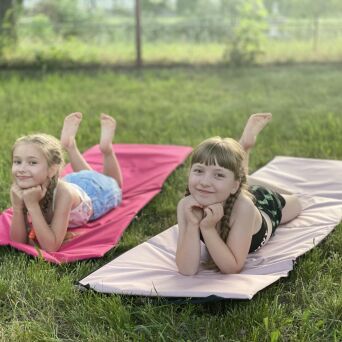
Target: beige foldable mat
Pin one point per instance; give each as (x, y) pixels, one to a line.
(149, 269)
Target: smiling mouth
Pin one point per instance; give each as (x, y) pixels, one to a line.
(23, 177)
(204, 191)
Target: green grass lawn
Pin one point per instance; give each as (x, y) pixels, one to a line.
(63, 53)
(38, 301)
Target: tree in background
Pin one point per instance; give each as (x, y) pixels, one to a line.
(9, 12)
(65, 16)
(186, 7)
(155, 7)
(249, 31)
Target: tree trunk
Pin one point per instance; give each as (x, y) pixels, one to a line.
(5, 5)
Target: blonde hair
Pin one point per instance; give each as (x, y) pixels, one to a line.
(53, 152)
(48, 144)
(229, 154)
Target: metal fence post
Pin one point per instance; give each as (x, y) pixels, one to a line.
(138, 60)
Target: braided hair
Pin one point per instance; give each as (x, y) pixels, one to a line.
(53, 152)
(229, 154)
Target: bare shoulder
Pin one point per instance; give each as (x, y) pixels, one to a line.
(244, 204)
(65, 193)
(244, 210)
(64, 187)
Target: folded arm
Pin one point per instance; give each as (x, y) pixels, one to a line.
(230, 256)
(18, 231)
(50, 237)
(188, 246)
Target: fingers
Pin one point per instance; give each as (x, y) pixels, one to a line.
(208, 211)
(15, 187)
(193, 202)
(212, 214)
(15, 190)
(32, 189)
(216, 209)
(44, 189)
(34, 194)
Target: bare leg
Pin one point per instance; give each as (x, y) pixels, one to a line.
(254, 126)
(111, 165)
(292, 208)
(68, 141)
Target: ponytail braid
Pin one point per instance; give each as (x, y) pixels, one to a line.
(224, 228)
(46, 202)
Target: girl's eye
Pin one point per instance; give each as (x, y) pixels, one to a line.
(220, 175)
(16, 162)
(32, 162)
(197, 170)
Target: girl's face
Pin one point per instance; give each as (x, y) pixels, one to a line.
(30, 167)
(211, 184)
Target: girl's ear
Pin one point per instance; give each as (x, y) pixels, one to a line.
(236, 187)
(53, 170)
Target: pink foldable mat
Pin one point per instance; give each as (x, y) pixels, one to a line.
(145, 169)
(150, 270)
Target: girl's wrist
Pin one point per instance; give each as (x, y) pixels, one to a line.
(205, 229)
(192, 226)
(18, 208)
(32, 207)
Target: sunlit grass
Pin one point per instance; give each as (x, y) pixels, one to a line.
(327, 50)
(76, 52)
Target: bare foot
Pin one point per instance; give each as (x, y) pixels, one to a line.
(70, 128)
(254, 125)
(108, 125)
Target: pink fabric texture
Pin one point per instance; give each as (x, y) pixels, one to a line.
(145, 169)
(149, 269)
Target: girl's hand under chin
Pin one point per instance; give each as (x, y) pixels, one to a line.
(16, 197)
(193, 210)
(34, 195)
(212, 215)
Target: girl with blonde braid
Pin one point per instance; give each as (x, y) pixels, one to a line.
(44, 205)
(231, 217)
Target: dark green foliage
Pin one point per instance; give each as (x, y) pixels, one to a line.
(249, 33)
